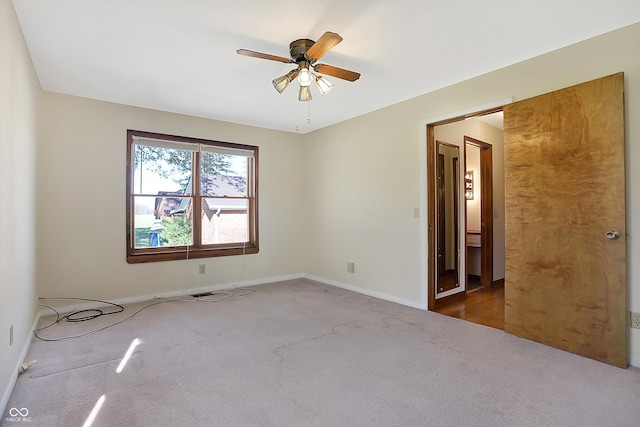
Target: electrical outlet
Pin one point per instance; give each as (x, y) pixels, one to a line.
(635, 320)
(351, 267)
(416, 212)
(11, 335)
(202, 269)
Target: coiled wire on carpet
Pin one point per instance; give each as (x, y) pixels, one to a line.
(94, 313)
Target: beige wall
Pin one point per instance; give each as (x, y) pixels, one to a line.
(366, 181)
(81, 215)
(368, 173)
(19, 97)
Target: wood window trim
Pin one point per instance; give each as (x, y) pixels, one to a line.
(197, 250)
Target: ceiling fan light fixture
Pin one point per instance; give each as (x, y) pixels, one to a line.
(304, 94)
(324, 85)
(281, 83)
(304, 76)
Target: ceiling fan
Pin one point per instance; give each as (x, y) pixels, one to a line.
(305, 53)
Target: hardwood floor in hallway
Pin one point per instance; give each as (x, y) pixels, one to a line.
(484, 306)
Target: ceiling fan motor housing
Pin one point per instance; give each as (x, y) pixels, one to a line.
(298, 48)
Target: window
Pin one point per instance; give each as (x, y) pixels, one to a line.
(190, 198)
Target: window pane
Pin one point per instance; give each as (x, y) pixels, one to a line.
(225, 220)
(223, 175)
(160, 170)
(169, 176)
(162, 221)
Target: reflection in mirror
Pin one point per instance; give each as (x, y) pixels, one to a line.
(448, 170)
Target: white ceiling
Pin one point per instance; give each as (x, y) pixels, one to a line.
(180, 55)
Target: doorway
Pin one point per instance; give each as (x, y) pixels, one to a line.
(482, 303)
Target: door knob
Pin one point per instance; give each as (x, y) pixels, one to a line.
(613, 234)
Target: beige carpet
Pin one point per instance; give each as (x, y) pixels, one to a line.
(299, 353)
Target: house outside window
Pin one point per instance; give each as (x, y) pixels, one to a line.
(190, 198)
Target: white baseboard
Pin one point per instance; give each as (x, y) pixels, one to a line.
(172, 294)
(367, 292)
(256, 282)
(6, 395)
(635, 362)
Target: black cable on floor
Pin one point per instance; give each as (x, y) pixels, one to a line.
(59, 319)
(72, 316)
(82, 316)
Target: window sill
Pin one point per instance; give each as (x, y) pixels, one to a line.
(180, 253)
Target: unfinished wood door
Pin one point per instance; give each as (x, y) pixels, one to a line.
(565, 283)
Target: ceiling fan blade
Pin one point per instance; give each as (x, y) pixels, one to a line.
(322, 46)
(340, 73)
(253, 54)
